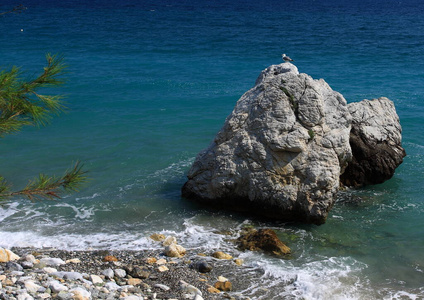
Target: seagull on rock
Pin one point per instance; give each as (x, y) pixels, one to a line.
(286, 58)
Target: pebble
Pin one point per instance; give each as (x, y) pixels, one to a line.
(108, 273)
(162, 286)
(163, 268)
(188, 288)
(120, 273)
(52, 262)
(96, 279)
(221, 255)
(56, 287)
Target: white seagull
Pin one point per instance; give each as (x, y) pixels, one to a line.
(286, 58)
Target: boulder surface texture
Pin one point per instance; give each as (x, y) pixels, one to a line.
(281, 151)
(375, 139)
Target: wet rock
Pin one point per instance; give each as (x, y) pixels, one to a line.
(224, 286)
(221, 255)
(262, 239)
(375, 140)
(239, 261)
(201, 266)
(213, 290)
(174, 250)
(157, 237)
(169, 240)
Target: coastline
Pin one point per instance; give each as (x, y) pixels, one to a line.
(82, 275)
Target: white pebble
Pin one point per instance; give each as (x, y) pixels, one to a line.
(162, 286)
(52, 262)
(108, 273)
(95, 279)
(56, 286)
(120, 273)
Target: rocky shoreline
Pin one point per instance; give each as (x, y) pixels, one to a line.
(115, 274)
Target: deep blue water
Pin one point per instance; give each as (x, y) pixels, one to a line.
(149, 83)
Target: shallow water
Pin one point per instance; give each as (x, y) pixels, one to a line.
(148, 86)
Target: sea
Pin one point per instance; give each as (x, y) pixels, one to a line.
(148, 85)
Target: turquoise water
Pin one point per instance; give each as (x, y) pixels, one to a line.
(149, 84)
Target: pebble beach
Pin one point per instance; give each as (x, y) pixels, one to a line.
(101, 274)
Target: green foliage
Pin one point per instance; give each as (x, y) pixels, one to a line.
(291, 98)
(47, 187)
(21, 104)
(311, 134)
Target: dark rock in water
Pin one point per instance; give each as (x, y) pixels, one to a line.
(262, 239)
(375, 140)
(201, 266)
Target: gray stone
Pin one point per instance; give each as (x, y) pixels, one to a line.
(12, 266)
(201, 266)
(27, 264)
(108, 273)
(280, 152)
(80, 293)
(112, 286)
(120, 273)
(52, 262)
(188, 288)
(56, 287)
(24, 296)
(162, 287)
(376, 139)
(68, 275)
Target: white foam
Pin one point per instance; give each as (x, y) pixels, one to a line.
(8, 210)
(81, 212)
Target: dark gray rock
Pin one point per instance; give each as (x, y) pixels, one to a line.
(201, 266)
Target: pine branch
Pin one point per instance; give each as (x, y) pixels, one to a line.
(20, 102)
(47, 187)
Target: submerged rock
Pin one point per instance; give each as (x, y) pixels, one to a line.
(375, 138)
(280, 152)
(262, 239)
